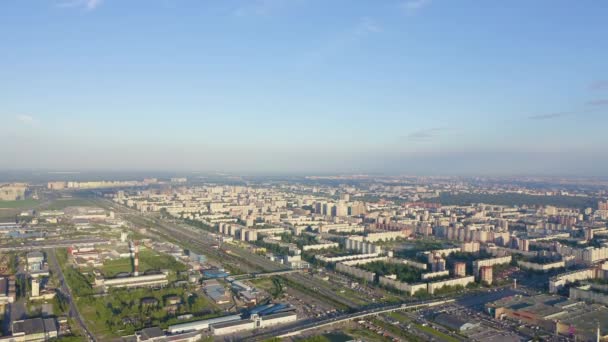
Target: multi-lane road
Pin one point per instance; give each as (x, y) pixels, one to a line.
(303, 326)
(67, 294)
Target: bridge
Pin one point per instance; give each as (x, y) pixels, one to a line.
(308, 325)
(247, 276)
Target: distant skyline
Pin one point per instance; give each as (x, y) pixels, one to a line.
(305, 86)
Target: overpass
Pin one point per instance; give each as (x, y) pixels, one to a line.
(256, 275)
(307, 325)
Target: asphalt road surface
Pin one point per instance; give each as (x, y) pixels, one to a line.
(66, 292)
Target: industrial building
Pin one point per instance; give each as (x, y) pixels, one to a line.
(454, 322)
(7, 291)
(254, 322)
(152, 280)
(35, 261)
(555, 314)
(201, 325)
(216, 291)
(35, 329)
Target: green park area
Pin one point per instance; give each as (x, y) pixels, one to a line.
(148, 261)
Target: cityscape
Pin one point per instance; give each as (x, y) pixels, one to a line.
(369, 258)
(303, 171)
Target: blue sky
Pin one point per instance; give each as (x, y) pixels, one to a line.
(403, 86)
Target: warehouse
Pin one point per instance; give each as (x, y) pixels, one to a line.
(254, 322)
(232, 327)
(36, 329)
(201, 325)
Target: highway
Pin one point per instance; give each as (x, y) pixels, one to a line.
(67, 293)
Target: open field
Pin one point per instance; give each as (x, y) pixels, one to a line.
(23, 204)
(59, 204)
(148, 260)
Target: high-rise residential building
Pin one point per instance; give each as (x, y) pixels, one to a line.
(357, 208)
(328, 209)
(524, 245)
(588, 234)
(13, 191)
(485, 273)
(342, 209)
(319, 207)
(35, 287)
(460, 269)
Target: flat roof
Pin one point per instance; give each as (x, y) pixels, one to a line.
(204, 324)
(279, 315)
(3, 286)
(232, 324)
(586, 319)
(34, 326)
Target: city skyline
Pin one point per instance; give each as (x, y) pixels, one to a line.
(420, 87)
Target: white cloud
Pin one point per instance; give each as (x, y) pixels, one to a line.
(411, 6)
(27, 120)
(88, 5)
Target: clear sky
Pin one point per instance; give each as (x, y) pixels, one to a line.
(393, 86)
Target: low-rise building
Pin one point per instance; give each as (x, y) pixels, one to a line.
(35, 329)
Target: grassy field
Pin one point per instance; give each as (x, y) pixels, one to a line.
(60, 204)
(106, 315)
(24, 204)
(148, 260)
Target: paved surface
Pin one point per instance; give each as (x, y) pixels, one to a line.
(51, 244)
(67, 293)
(305, 325)
(16, 311)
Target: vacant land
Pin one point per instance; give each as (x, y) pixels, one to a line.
(23, 204)
(148, 261)
(60, 204)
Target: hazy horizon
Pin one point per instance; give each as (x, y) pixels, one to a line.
(305, 86)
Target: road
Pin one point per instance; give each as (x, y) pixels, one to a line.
(67, 293)
(16, 311)
(52, 244)
(244, 258)
(204, 240)
(303, 326)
